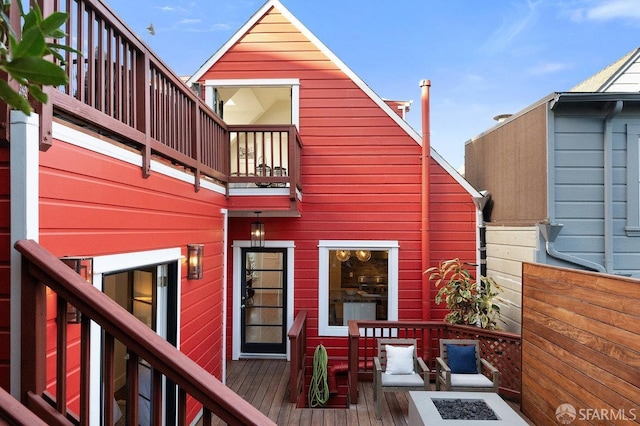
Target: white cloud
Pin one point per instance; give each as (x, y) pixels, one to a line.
(513, 24)
(189, 21)
(547, 68)
(606, 10)
(172, 9)
(615, 9)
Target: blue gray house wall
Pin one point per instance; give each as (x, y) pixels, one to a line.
(593, 189)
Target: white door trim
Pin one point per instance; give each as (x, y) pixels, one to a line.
(237, 270)
(113, 263)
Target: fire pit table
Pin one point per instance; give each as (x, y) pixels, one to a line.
(460, 409)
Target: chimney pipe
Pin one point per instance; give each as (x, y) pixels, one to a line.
(425, 85)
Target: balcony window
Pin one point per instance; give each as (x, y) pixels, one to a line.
(266, 102)
(357, 281)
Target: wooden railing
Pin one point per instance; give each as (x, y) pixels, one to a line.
(502, 349)
(120, 87)
(42, 270)
(265, 156)
(12, 412)
(298, 365)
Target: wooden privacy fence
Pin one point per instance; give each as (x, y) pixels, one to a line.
(580, 345)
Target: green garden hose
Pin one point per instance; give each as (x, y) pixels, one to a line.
(319, 389)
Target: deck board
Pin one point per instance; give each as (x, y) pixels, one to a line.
(264, 383)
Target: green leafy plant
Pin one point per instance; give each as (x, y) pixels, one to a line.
(469, 301)
(24, 58)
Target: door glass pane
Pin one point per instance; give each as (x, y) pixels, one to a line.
(358, 285)
(263, 302)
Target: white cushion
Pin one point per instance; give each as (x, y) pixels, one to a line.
(401, 380)
(471, 380)
(399, 359)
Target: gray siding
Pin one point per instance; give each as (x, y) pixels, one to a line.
(578, 188)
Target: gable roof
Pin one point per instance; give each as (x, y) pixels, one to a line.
(603, 79)
(342, 66)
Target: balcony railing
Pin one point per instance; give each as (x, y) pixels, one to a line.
(42, 272)
(118, 87)
(501, 349)
(265, 156)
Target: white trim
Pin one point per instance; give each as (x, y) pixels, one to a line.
(25, 221)
(86, 141)
(120, 262)
(229, 82)
(225, 263)
(258, 192)
(324, 246)
(237, 269)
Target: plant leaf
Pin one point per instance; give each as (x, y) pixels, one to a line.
(37, 70)
(37, 93)
(52, 23)
(32, 44)
(13, 98)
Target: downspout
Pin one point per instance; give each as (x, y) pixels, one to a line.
(425, 85)
(481, 238)
(550, 232)
(608, 184)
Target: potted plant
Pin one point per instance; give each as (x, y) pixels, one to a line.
(469, 301)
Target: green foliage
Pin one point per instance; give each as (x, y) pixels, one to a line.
(469, 301)
(23, 58)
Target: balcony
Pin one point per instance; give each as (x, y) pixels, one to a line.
(161, 117)
(264, 170)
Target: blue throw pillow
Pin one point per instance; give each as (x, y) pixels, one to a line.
(462, 359)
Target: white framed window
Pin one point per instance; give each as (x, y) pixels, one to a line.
(632, 226)
(257, 101)
(356, 280)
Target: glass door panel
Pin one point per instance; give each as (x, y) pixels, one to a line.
(263, 299)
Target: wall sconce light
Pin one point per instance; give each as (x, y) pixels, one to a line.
(363, 255)
(343, 255)
(257, 232)
(84, 267)
(195, 254)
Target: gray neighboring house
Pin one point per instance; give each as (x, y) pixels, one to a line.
(563, 181)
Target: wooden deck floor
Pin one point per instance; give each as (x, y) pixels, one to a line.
(264, 383)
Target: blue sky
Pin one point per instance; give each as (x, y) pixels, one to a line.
(483, 57)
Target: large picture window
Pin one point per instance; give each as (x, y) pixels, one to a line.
(358, 280)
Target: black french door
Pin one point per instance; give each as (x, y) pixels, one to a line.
(263, 301)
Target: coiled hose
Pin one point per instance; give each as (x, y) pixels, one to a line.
(319, 389)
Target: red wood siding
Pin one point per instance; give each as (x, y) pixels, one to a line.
(5, 261)
(453, 225)
(92, 205)
(360, 171)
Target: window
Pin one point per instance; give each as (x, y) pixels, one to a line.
(632, 227)
(357, 280)
(261, 150)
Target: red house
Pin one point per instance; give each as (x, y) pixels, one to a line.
(358, 235)
(306, 190)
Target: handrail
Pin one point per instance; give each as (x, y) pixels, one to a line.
(120, 87)
(500, 348)
(298, 338)
(40, 269)
(14, 413)
(280, 145)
